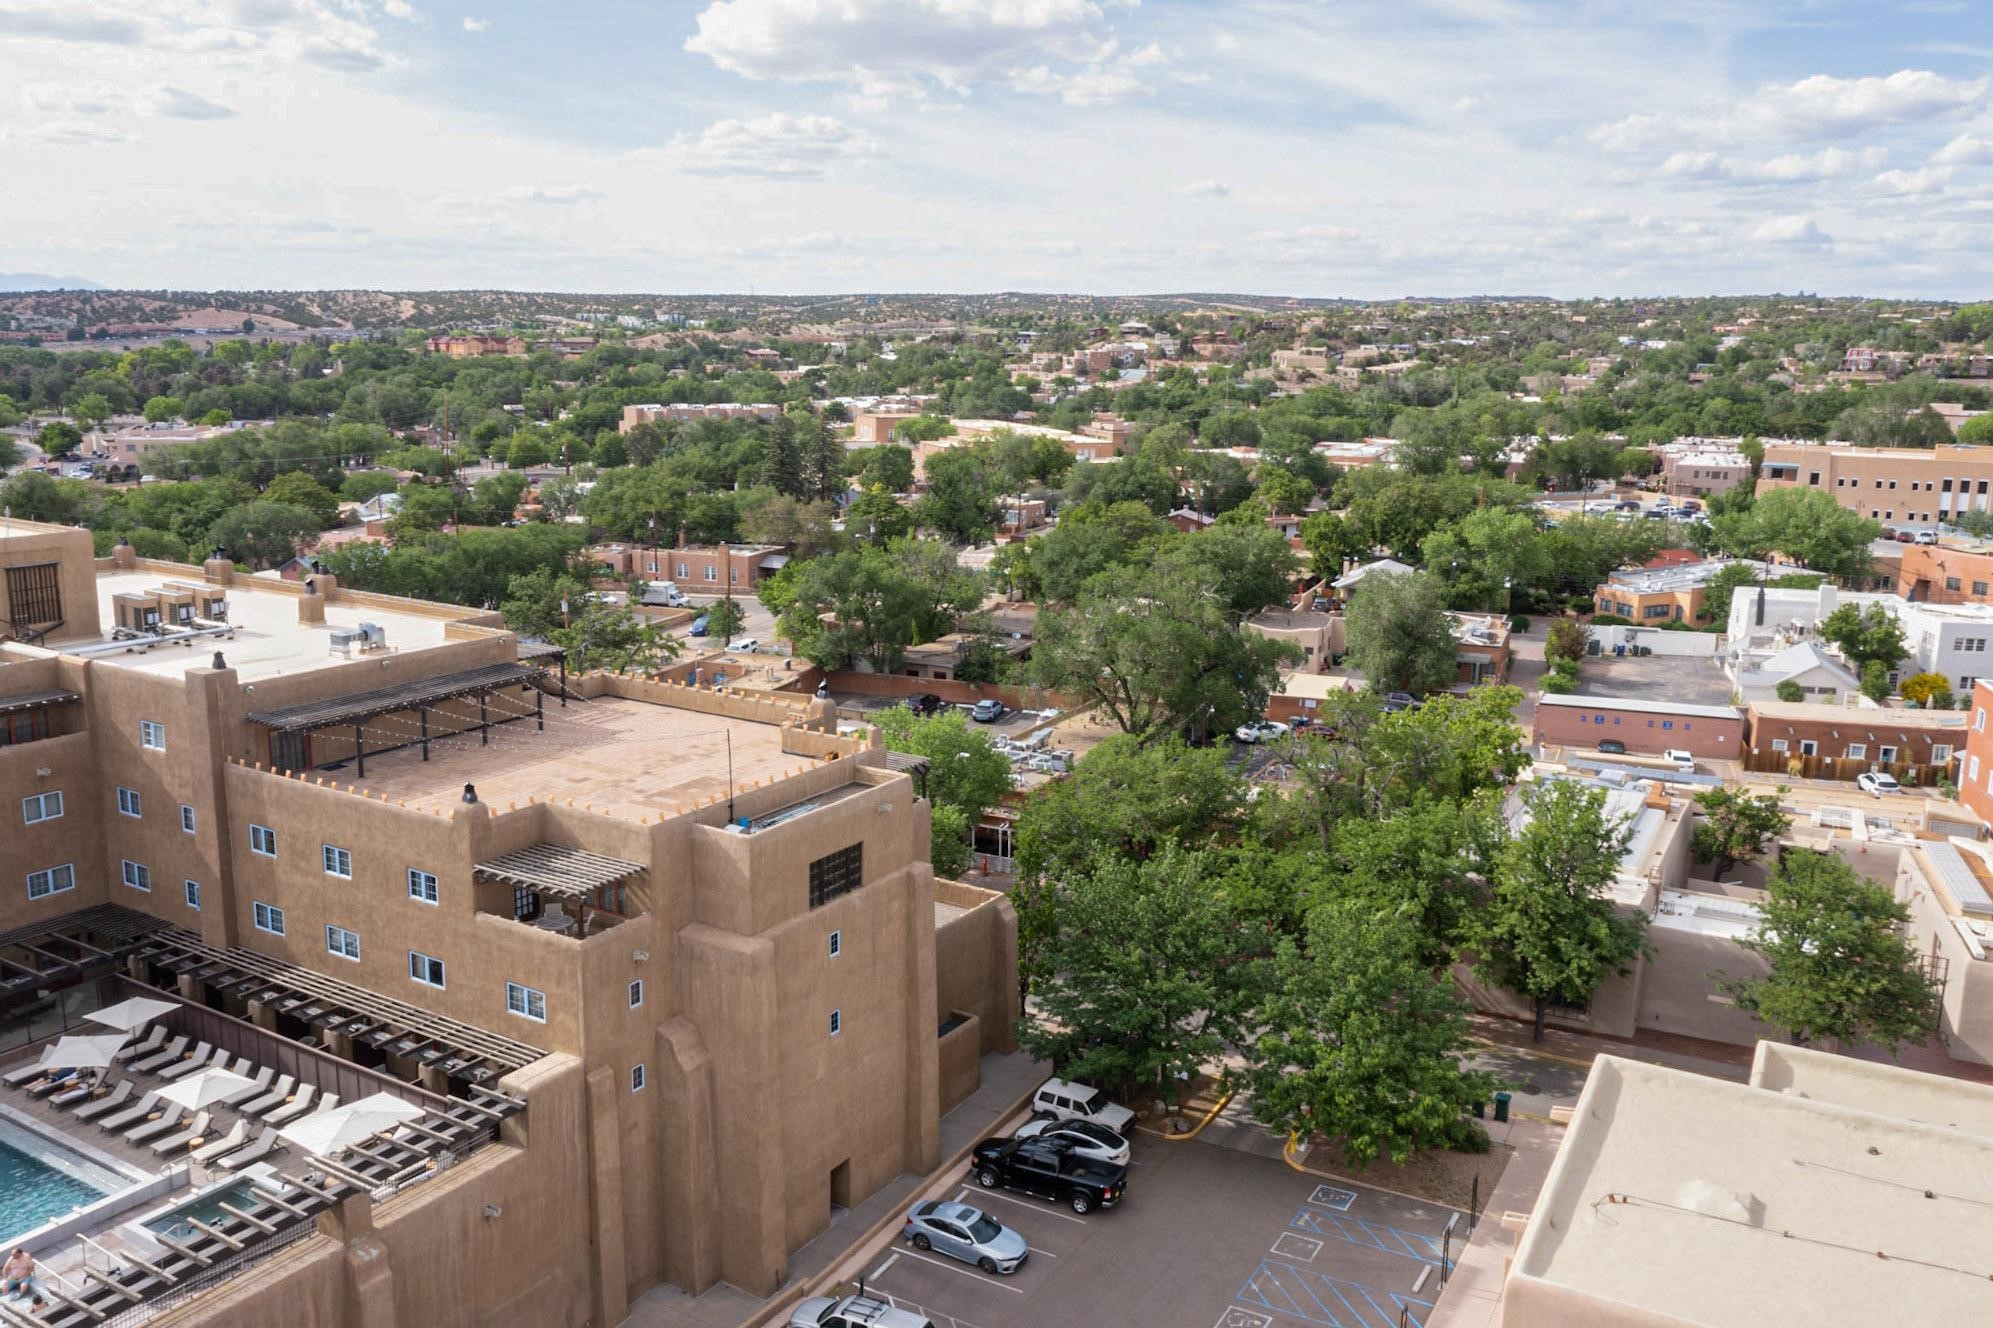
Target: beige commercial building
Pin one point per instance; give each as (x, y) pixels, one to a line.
(1826, 1191)
(1948, 888)
(679, 956)
(1907, 485)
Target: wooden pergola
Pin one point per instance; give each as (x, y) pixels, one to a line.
(65, 950)
(419, 696)
(572, 875)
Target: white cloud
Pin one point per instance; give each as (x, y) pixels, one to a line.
(1811, 108)
(776, 145)
(1206, 189)
(476, 24)
(400, 9)
(1965, 150)
(560, 195)
(1793, 230)
(1791, 168)
(70, 23)
(1921, 183)
(184, 105)
(1224, 41)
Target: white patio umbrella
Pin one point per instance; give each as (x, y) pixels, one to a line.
(204, 1089)
(130, 1014)
(342, 1127)
(88, 1051)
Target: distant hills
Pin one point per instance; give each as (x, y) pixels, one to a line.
(42, 281)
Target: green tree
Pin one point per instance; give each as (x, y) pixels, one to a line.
(91, 409)
(59, 438)
(301, 490)
(1331, 542)
(966, 776)
(785, 458)
(1929, 690)
(1565, 639)
(1550, 931)
(1789, 691)
(1734, 825)
(1806, 525)
(923, 429)
(1362, 1040)
(1252, 566)
(1866, 636)
(1400, 637)
(724, 619)
(158, 410)
(1149, 974)
(556, 607)
(960, 503)
(889, 467)
(878, 516)
(264, 533)
(1841, 968)
(1875, 681)
(873, 603)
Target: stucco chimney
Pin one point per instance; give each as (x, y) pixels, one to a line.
(311, 604)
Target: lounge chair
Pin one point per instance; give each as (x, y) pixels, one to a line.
(154, 1040)
(228, 1143)
(242, 1065)
(60, 1079)
(75, 1093)
(173, 1052)
(266, 1143)
(296, 1107)
(15, 1078)
(130, 1115)
(217, 1059)
(173, 1143)
(118, 1097)
(243, 1094)
(150, 1130)
(276, 1097)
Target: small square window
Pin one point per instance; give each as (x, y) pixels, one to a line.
(193, 895)
(637, 1079)
(41, 807)
(151, 735)
(836, 944)
(836, 1022)
(426, 969)
(52, 881)
(422, 886)
(138, 876)
(345, 944)
(636, 993)
(263, 841)
(338, 862)
(526, 1002)
(268, 918)
(186, 818)
(128, 802)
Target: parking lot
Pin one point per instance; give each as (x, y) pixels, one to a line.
(1656, 678)
(1206, 1236)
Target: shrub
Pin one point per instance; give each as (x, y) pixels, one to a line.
(1559, 684)
(1518, 624)
(1610, 620)
(1790, 691)
(1565, 641)
(1466, 1135)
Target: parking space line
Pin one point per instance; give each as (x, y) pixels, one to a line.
(1026, 1203)
(950, 1265)
(880, 1271)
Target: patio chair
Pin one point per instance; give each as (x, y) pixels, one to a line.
(130, 1115)
(173, 1143)
(217, 1059)
(228, 1143)
(154, 1040)
(267, 1142)
(276, 1097)
(173, 1052)
(150, 1130)
(15, 1078)
(76, 1092)
(117, 1098)
(296, 1107)
(243, 1094)
(60, 1079)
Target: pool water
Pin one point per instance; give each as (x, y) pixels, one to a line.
(207, 1208)
(33, 1192)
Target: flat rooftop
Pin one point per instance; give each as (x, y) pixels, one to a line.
(1699, 1201)
(628, 758)
(269, 640)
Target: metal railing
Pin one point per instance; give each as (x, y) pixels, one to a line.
(217, 1272)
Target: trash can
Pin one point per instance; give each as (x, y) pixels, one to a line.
(1480, 1111)
(1502, 1107)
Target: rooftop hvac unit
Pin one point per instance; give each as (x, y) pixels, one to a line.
(347, 640)
(376, 636)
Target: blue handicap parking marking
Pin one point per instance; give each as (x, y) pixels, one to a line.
(1328, 1196)
(1307, 1220)
(1417, 1318)
(1317, 1298)
(1370, 1235)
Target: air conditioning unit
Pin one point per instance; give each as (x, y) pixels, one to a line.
(347, 640)
(376, 636)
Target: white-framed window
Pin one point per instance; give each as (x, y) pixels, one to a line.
(712, 573)
(426, 969)
(1940, 753)
(51, 881)
(1972, 768)
(194, 895)
(128, 802)
(1779, 744)
(636, 993)
(1979, 719)
(1886, 754)
(637, 1078)
(263, 841)
(1857, 751)
(186, 818)
(1808, 747)
(41, 807)
(836, 944)
(138, 876)
(268, 918)
(422, 885)
(681, 571)
(339, 941)
(338, 862)
(526, 1002)
(152, 735)
(836, 1022)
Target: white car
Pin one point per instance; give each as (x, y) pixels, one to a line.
(1680, 759)
(1095, 1142)
(1261, 730)
(1877, 782)
(1065, 1101)
(745, 647)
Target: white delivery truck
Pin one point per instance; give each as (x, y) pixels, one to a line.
(663, 595)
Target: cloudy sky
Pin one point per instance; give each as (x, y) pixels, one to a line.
(1313, 147)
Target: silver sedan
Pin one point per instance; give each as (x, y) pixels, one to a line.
(965, 1233)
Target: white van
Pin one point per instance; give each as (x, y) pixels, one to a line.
(1681, 759)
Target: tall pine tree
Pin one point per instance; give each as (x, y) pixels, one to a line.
(785, 459)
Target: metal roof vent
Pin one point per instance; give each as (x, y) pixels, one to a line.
(1713, 1200)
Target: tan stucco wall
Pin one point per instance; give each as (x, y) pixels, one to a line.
(24, 544)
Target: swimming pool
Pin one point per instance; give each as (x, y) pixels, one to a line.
(40, 1182)
(204, 1207)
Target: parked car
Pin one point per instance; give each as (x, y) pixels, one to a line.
(988, 711)
(1396, 701)
(1688, 505)
(965, 1233)
(1050, 1169)
(698, 626)
(1877, 782)
(924, 703)
(1627, 505)
(854, 1312)
(1612, 746)
(1064, 1100)
(1088, 1139)
(745, 646)
(1260, 730)
(1661, 513)
(1681, 759)
(1904, 537)
(1926, 537)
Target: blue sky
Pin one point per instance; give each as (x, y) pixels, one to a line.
(1308, 147)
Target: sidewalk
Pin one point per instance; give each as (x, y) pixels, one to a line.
(1473, 1294)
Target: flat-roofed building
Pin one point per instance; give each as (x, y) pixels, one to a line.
(1843, 741)
(610, 921)
(1946, 573)
(1901, 485)
(1710, 732)
(1824, 1191)
(1661, 594)
(1699, 467)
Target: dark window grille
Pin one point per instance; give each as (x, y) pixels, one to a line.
(836, 874)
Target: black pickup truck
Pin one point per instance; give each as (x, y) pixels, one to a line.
(1049, 1169)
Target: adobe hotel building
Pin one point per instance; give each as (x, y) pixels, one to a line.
(659, 965)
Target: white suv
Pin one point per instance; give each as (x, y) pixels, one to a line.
(1069, 1101)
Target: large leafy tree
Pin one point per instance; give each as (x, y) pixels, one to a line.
(1252, 565)
(1735, 825)
(961, 499)
(264, 533)
(1148, 973)
(558, 607)
(1399, 635)
(1484, 555)
(1550, 930)
(966, 776)
(1841, 968)
(1806, 525)
(873, 603)
(1156, 650)
(1089, 539)
(1361, 1039)
(1870, 635)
